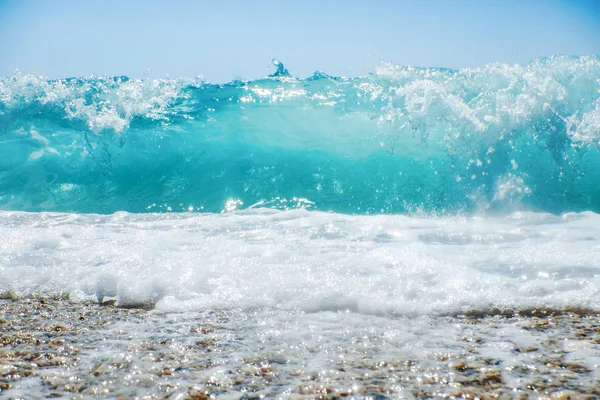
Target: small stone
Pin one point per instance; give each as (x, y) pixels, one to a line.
(7, 369)
(529, 349)
(60, 327)
(199, 395)
(459, 366)
(579, 368)
(493, 377)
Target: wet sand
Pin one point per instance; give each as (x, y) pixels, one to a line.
(63, 349)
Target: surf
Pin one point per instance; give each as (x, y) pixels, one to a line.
(402, 140)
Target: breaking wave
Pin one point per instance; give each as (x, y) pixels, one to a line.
(402, 140)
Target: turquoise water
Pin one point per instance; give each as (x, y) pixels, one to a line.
(402, 140)
(488, 164)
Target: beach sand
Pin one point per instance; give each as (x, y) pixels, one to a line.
(64, 349)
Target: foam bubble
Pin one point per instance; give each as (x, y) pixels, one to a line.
(302, 260)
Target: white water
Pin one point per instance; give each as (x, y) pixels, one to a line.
(306, 261)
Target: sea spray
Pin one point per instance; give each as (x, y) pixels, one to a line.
(402, 140)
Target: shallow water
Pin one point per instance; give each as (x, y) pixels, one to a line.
(82, 350)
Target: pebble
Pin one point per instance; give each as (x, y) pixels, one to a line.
(79, 350)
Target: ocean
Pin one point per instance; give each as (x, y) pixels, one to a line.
(326, 219)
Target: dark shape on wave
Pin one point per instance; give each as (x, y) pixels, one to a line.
(281, 69)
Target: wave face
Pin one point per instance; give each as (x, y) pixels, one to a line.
(401, 140)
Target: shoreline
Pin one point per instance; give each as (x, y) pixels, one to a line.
(59, 348)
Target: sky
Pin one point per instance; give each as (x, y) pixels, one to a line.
(236, 39)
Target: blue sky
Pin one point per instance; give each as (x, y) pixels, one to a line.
(227, 39)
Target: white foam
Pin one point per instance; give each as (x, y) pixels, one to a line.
(496, 99)
(311, 261)
(116, 102)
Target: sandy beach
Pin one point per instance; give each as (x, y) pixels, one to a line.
(54, 348)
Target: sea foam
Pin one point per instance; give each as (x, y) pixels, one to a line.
(308, 261)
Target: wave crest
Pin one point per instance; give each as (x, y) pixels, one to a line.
(403, 139)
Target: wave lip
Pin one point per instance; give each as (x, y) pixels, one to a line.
(402, 140)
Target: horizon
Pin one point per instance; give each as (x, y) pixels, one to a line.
(225, 41)
(271, 68)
